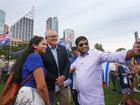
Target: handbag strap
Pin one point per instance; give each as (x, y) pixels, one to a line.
(26, 79)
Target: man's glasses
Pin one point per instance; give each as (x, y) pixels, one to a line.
(54, 36)
(82, 44)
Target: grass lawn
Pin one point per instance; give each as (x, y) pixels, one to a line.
(1, 86)
(111, 98)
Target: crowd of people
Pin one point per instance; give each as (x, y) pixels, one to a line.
(5, 68)
(56, 76)
(125, 80)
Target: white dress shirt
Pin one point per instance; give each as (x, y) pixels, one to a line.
(89, 75)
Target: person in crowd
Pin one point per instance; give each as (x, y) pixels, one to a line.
(1, 66)
(5, 69)
(136, 65)
(57, 63)
(75, 54)
(110, 75)
(88, 68)
(125, 79)
(34, 91)
(114, 77)
(132, 69)
(11, 64)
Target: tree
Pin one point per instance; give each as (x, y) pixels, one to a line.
(120, 49)
(7, 50)
(98, 47)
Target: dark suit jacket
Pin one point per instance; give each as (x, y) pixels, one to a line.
(51, 66)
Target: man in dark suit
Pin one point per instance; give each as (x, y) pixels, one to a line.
(57, 65)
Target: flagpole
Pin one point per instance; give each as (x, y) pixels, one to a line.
(10, 46)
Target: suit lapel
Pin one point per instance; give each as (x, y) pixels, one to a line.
(50, 55)
(59, 55)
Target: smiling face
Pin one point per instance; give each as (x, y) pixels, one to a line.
(52, 38)
(41, 47)
(38, 44)
(83, 46)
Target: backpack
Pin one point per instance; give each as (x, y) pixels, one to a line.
(11, 89)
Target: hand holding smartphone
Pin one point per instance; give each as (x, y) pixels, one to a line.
(136, 36)
(137, 43)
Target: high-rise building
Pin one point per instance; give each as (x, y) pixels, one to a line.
(6, 29)
(2, 21)
(23, 28)
(52, 23)
(68, 35)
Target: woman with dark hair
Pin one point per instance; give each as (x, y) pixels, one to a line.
(34, 91)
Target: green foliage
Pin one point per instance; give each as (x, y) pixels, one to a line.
(6, 50)
(98, 47)
(1, 86)
(120, 49)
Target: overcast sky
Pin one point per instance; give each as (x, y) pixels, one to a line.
(109, 22)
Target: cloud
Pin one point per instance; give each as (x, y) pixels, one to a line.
(106, 22)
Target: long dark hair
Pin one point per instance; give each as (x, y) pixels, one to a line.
(17, 67)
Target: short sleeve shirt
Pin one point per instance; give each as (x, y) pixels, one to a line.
(32, 62)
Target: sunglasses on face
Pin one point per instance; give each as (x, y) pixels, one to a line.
(82, 44)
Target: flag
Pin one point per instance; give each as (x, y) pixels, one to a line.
(106, 73)
(5, 39)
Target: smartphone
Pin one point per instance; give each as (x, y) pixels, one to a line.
(137, 39)
(136, 36)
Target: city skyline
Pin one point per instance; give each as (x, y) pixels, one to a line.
(2, 21)
(111, 23)
(23, 28)
(52, 23)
